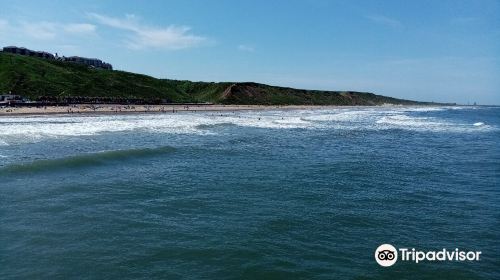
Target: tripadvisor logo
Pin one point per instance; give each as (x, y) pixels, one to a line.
(387, 255)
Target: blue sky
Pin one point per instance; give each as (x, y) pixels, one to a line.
(446, 51)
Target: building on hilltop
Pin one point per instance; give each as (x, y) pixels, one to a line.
(9, 98)
(28, 52)
(90, 62)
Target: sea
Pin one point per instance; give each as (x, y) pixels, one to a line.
(261, 194)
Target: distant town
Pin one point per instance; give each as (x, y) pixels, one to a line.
(91, 62)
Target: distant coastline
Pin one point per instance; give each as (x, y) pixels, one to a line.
(47, 81)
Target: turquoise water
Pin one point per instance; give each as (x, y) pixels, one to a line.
(299, 194)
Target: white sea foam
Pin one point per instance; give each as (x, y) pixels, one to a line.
(286, 122)
(341, 116)
(406, 122)
(402, 121)
(32, 129)
(423, 109)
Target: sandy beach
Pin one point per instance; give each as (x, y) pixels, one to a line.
(117, 109)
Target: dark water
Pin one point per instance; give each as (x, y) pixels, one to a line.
(292, 195)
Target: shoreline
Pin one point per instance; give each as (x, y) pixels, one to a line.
(86, 109)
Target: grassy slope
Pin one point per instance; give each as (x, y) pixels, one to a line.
(33, 77)
(252, 93)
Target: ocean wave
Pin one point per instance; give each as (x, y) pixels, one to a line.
(423, 109)
(214, 125)
(402, 121)
(405, 120)
(33, 129)
(85, 160)
(37, 128)
(342, 116)
(273, 120)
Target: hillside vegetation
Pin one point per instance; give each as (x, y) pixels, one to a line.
(35, 78)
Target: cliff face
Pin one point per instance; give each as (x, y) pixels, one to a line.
(34, 78)
(253, 93)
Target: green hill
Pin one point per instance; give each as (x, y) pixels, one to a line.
(35, 78)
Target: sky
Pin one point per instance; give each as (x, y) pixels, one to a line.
(443, 51)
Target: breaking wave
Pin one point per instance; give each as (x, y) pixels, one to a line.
(36, 128)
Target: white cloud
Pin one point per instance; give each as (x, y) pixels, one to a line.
(39, 30)
(171, 37)
(129, 23)
(80, 28)
(380, 19)
(46, 30)
(246, 48)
